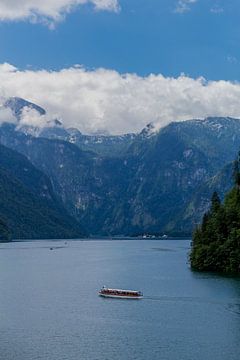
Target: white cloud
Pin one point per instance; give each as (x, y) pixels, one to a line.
(109, 5)
(232, 59)
(184, 6)
(48, 11)
(106, 101)
(32, 117)
(6, 115)
(216, 10)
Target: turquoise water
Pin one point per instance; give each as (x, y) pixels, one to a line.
(49, 308)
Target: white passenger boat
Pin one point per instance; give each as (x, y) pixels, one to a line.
(120, 294)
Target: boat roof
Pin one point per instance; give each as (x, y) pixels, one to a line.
(133, 291)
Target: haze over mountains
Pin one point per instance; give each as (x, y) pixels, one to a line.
(152, 182)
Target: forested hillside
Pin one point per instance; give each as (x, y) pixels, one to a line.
(216, 243)
(5, 234)
(28, 205)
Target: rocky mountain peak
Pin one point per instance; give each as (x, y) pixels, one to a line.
(149, 130)
(17, 105)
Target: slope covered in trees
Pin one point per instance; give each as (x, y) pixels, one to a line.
(5, 234)
(216, 243)
(28, 205)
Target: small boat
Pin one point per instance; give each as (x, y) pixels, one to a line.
(120, 294)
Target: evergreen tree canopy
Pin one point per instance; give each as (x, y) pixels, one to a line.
(236, 171)
(216, 242)
(5, 235)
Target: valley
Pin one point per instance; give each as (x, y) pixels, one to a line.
(155, 182)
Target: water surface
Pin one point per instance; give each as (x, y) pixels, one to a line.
(49, 308)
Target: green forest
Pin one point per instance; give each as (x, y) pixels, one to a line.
(5, 234)
(216, 242)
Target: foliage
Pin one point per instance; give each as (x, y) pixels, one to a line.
(5, 234)
(216, 243)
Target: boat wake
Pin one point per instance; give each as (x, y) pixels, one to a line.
(172, 298)
(232, 305)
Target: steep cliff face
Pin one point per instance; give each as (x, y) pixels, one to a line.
(88, 185)
(28, 205)
(199, 203)
(157, 184)
(175, 165)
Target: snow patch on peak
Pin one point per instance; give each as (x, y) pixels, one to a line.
(218, 123)
(150, 130)
(17, 105)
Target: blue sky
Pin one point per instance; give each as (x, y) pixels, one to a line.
(141, 61)
(144, 37)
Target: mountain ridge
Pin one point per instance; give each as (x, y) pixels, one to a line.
(150, 187)
(27, 201)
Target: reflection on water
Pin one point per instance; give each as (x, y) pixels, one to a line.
(49, 307)
(162, 249)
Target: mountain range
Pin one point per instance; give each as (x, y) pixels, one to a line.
(29, 209)
(157, 181)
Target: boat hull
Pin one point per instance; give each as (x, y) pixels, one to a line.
(121, 296)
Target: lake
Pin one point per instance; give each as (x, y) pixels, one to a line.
(49, 308)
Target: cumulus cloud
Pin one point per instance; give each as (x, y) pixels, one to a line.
(104, 100)
(48, 11)
(31, 117)
(184, 6)
(6, 115)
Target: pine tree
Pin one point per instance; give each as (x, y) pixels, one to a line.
(216, 243)
(236, 171)
(5, 235)
(216, 203)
